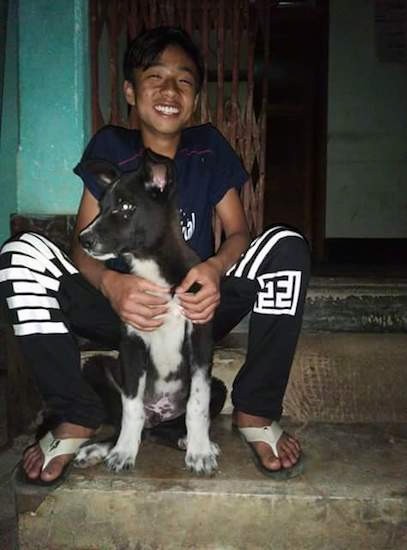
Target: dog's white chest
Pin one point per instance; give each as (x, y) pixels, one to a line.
(164, 343)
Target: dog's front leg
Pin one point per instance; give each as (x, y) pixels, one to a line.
(132, 359)
(201, 451)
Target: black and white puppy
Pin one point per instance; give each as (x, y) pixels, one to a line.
(167, 371)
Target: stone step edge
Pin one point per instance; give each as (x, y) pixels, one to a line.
(327, 381)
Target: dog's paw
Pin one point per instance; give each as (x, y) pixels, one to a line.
(118, 460)
(203, 462)
(92, 454)
(182, 443)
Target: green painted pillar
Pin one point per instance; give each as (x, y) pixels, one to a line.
(8, 116)
(54, 103)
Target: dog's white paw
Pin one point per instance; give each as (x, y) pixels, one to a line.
(92, 454)
(119, 459)
(202, 461)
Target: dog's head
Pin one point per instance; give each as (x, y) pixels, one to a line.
(135, 208)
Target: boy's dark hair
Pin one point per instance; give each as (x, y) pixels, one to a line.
(145, 49)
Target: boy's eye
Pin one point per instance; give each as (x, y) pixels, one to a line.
(154, 76)
(186, 81)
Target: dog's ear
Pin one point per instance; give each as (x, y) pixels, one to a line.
(159, 170)
(103, 171)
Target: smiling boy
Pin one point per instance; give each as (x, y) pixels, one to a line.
(163, 75)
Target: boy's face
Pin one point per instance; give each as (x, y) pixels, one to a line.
(165, 94)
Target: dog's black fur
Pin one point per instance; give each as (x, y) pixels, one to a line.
(166, 371)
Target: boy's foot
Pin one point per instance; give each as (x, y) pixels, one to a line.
(289, 449)
(33, 457)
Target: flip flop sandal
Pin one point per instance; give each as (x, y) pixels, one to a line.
(270, 435)
(51, 448)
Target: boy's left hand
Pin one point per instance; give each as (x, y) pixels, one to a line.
(200, 307)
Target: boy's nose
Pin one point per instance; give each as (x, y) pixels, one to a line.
(170, 86)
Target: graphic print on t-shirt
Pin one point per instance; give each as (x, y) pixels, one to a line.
(187, 224)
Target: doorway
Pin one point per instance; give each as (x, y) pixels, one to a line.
(297, 120)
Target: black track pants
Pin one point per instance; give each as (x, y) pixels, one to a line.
(49, 303)
(269, 282)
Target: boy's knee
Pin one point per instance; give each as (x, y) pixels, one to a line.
(20, 251)
(295, 246)
(290, 248)
(23, 237)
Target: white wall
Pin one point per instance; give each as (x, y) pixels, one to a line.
(367, 130)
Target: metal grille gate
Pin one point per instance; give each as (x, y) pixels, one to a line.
(234, 36)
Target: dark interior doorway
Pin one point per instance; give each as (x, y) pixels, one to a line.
(296, 122)
(295, 192)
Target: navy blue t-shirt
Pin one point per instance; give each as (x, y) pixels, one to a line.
(206, 168)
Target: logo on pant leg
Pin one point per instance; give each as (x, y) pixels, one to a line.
(279, 293)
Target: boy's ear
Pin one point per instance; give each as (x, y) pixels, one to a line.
(129, 92)
(159, 169)
(103, 171)
(196, 101)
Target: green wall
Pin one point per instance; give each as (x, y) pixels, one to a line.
(54, 103)
(9, 118)
(46, 107)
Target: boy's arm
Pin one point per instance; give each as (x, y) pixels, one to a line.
(200, 307)
(93, 270)
(234, 224)
(128, 294)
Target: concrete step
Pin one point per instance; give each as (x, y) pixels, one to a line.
(336, 377)
(372, 302)
(8, 508)
(356, 304)
(352, 495)
(353, 304)
(346, 304)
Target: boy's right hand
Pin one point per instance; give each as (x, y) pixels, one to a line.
(137, 302)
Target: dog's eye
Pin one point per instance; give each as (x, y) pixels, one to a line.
(127, 207)
(124, 208)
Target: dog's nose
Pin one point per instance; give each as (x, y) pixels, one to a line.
(87, 240)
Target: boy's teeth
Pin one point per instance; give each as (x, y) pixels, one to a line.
(167, 110)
